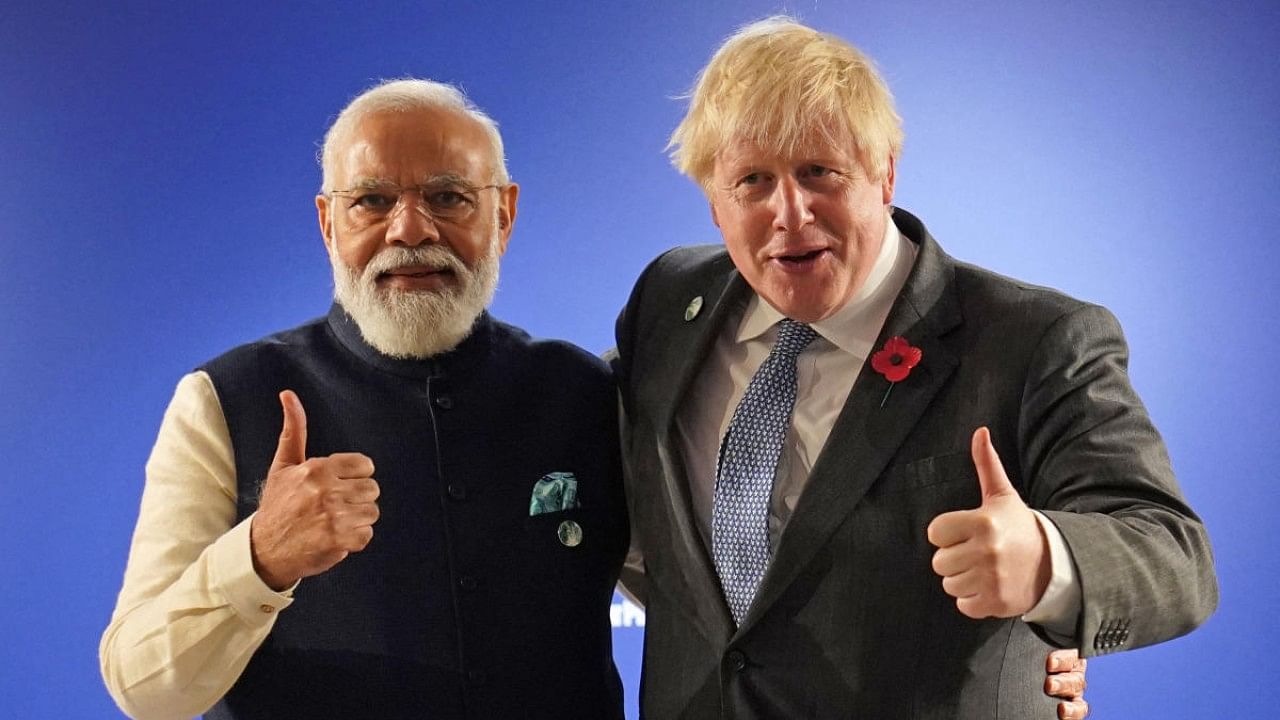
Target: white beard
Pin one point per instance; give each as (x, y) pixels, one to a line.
(416, 324)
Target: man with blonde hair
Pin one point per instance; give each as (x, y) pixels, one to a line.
(272, 576)
(812, 414)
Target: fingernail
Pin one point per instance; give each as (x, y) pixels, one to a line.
(1055, 686)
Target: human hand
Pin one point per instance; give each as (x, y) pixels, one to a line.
(994, 560)
(1066, 680)
(313, 513)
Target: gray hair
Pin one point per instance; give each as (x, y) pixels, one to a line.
(400, 96)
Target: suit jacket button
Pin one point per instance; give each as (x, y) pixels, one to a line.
(444, 402)
(737, 660)
(468, 583)
(475, 677)
(457, 492)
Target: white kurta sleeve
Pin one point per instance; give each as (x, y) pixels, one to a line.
(192, 610)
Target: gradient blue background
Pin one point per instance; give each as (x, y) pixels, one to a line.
(156, 181)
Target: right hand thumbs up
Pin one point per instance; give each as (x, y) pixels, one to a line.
(313, 512)
(292, 448)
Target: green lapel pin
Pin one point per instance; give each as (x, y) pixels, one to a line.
(695, 307)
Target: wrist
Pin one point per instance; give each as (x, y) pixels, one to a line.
(264, 566)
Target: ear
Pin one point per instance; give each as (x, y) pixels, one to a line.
(507, 198)
(715, 218)
(326, 221)
(886, 187)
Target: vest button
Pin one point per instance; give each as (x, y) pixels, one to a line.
(444, 402)
(737, 660)
(468, 583)
(457, 492)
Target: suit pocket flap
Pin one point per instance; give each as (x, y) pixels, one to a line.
(928, 471)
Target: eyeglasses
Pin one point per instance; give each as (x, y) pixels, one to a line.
(448, 199)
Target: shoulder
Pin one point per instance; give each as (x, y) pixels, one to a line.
(548, 357)
(983, 296)
(668, 277)
(1005, 316)
(1033, 320)
(982, 289)
(267, 364)
(277, 344)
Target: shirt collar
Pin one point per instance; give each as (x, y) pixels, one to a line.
(854, 327)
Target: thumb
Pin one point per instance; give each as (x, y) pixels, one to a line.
(991, 475)
(292, 449)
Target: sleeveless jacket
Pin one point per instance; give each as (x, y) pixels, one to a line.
(464, 605)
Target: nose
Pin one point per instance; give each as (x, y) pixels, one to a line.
(791, 209)
(411, 224)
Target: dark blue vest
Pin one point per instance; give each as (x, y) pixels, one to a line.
(463, 605)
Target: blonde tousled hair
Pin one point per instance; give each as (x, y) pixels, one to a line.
(775, 81)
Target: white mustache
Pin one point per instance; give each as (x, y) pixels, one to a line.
(435, 257)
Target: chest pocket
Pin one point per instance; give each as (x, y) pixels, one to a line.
(918, 476)
(902, 504)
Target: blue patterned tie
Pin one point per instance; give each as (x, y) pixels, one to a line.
(744, 471)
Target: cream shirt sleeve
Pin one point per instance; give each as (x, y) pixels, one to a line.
(192, 610)
(1059, 608)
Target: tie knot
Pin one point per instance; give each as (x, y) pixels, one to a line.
(793, 337)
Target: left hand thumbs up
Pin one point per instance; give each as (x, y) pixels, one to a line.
(994, 560)
(991, 476)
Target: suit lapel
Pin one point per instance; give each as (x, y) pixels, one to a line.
(723, 293)
(866, 436)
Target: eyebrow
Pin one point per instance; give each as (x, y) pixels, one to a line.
(371, 183)
(437, 180)
(448, 179)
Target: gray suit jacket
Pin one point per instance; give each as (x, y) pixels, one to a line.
(850, 620)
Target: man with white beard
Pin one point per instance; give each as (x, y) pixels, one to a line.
(272, 576)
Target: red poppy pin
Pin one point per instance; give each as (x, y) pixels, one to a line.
(895, 361)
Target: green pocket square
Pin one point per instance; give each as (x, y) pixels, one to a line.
(556, 491)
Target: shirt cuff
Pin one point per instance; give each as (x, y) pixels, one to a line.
(236, 580)
(1059, 607)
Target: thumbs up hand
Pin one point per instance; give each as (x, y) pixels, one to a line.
(313, 512)
(994, 560)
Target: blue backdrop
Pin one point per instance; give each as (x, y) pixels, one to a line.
(156, 180)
